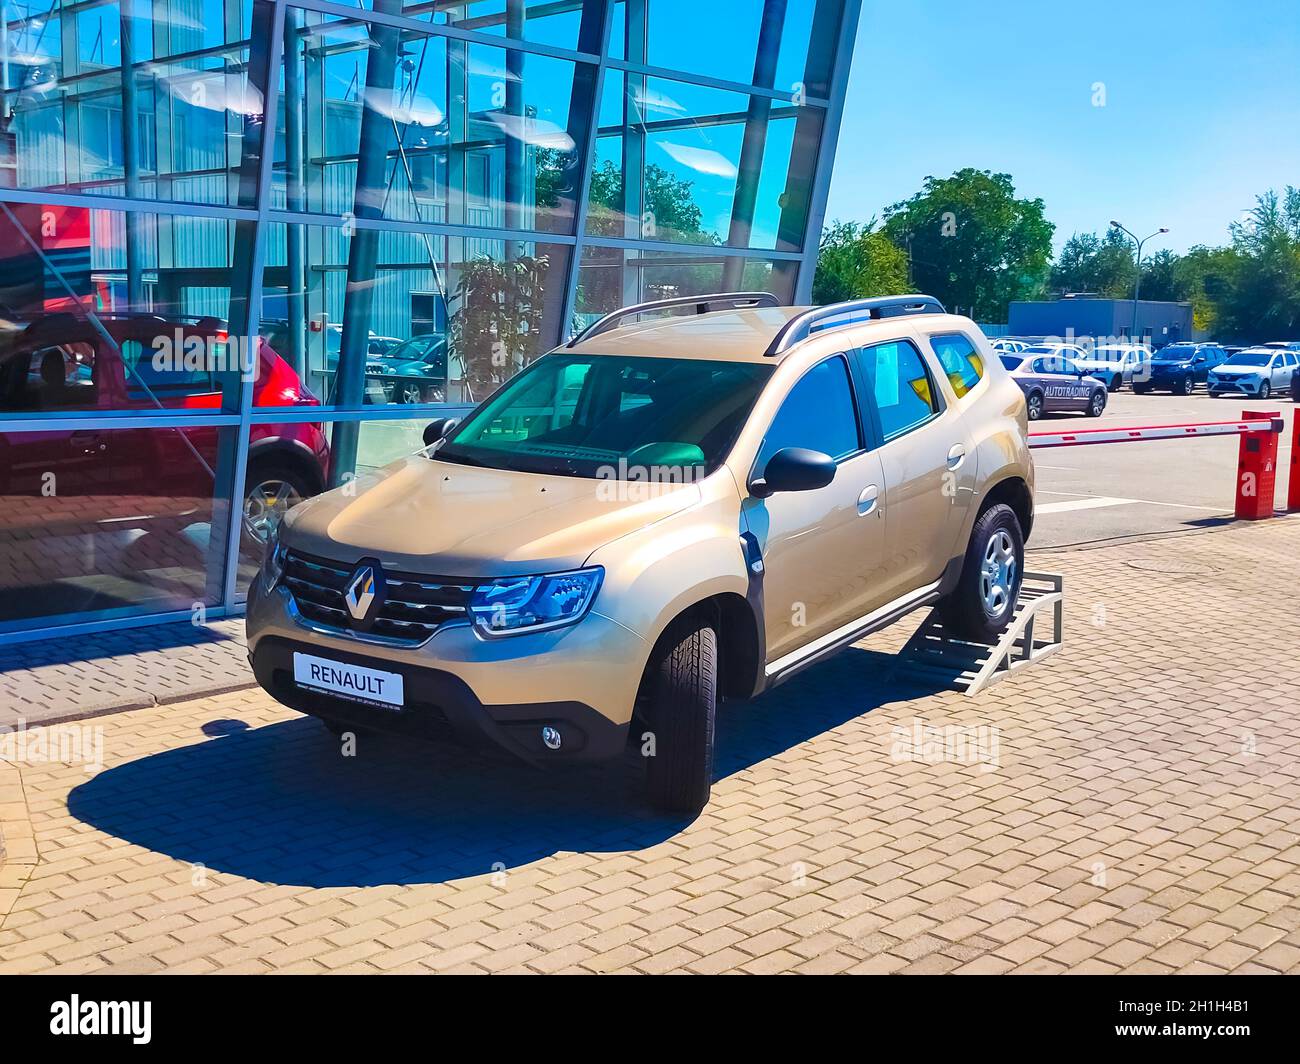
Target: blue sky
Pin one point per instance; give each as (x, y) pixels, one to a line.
(1202, 108)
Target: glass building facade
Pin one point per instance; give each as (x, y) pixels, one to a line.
(249, 248)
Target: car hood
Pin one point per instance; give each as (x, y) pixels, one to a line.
(425, 516)
(1236, 371)
(1158, 365)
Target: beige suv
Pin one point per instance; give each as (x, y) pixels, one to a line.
(665, 512)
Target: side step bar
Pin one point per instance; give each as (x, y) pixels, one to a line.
(935, 656)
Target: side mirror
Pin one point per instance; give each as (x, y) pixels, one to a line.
(793, 469)
(438, 428)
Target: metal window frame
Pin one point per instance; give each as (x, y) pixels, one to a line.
(262, 214)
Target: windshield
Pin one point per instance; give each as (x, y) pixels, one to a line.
(1174, 353)
(1250, 358)
(413, 349)
(609, 415)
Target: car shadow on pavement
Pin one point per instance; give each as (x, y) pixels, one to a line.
(280, 804)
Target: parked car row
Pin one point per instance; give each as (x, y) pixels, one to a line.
(1179, 368)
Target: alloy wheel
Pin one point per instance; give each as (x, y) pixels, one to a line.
(997, 573)
(265, 505)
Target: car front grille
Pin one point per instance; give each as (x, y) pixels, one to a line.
(414, 608)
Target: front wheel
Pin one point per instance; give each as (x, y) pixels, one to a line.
(1265, 390)
(1097, 404)
(1141, 389)
(681, 713)
(985, 597)
(1115, 383)
(1186, 386)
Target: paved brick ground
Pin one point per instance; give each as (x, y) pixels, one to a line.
(1143, 815)
(128, 668)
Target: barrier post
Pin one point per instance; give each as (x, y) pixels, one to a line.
(1293, 484)
(1257, 467)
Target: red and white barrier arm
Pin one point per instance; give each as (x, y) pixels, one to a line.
(1082, 437)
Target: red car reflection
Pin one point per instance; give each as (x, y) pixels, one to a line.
(63, 363)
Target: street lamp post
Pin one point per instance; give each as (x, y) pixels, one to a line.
(1137, 281)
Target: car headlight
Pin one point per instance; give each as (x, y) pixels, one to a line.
(273, 559)
(515, 605)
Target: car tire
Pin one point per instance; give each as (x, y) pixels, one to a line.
(1141, 389)
(681, 713)
(1187, 386)
(1034, 406)
(1295, 388)
(410, 393)
(1116, 382)
(983, 601)
(1265, 390)
(271, 489)
(1097, 404)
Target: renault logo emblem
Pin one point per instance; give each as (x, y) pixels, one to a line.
(360, 595)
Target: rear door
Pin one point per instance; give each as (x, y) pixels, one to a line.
(1062, 388)
(927, 456)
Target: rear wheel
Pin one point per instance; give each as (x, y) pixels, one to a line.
(1034, 405)
(985, 597)
(681, 712)
(274, 488)
(1097, 404)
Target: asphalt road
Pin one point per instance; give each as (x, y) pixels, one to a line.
(1112, 491)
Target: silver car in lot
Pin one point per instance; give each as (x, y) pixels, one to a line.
(1053, 383)
(1115, 364)
(1257, 372)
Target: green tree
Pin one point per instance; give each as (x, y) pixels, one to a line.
(1262, 300)
(1205, 276)
(973, 243)
(855, 261)
(670, 207)
(1100, 265)
(1160, 277)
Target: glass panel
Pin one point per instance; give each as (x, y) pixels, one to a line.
(615, 277)
(111, 522)
(380, 123)
(679, 162)
(427, 319)
(110, 310)
(900, 385)
(818, 414)
(727, 39)
(180, 67)
(558, 23)
(280, 475)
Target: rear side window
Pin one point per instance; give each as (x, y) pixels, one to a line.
(960, 361)
(818, 414)
(901, 386)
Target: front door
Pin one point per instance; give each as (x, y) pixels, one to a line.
(823, 550)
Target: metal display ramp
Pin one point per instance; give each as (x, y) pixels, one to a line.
(934, 656)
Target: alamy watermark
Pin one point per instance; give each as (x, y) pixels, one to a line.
(64, 744)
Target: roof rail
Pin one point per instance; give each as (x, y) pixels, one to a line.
(702, 305)
(853, 311)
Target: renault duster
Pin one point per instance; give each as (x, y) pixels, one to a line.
(670, 510)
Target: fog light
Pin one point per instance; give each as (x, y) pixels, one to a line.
(551, 738)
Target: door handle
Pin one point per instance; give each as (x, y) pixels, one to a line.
(868, 499)
(956, 456)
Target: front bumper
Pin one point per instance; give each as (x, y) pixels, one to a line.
(1247, 386)
(580, 680)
